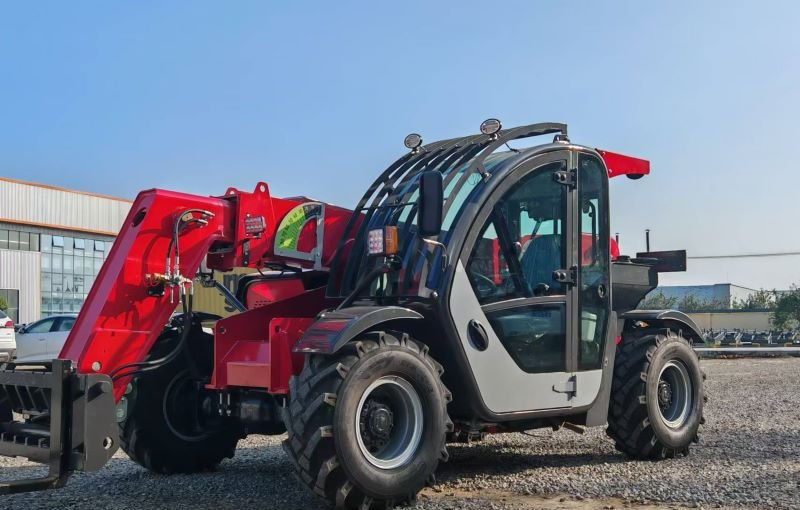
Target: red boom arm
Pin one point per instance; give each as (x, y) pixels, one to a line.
(126, 309)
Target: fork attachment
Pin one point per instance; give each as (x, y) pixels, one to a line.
(53, 416)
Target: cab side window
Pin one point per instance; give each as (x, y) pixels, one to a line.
(523, 242)
(594, 261)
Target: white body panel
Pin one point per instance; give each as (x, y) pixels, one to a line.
(503, 385)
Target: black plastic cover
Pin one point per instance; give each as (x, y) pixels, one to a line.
(672, 261)
(630, 283)
(334, 329)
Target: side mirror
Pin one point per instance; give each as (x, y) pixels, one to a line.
(431, 200)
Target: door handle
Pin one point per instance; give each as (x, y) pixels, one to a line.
(477, 335)
(570, 386)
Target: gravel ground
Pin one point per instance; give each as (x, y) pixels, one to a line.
(748, 457)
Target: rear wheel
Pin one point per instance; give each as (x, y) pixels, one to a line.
(367, 426)
(657, 395)
(166, 429)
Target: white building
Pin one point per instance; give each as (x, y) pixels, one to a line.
(52, 244)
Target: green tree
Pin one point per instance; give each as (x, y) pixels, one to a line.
(786, 314)
(3, 305)
(658, 301)
(759, 300)
(692, 303)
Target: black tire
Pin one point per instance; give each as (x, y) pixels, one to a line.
(327, 398)
(148, 435)
(643, 423)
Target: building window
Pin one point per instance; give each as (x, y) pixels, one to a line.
(13, 240)
(69, 268)
(16, 240)
(24, 241)
(47, 283)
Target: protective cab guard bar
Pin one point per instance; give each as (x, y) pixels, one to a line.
(388, 188)
(71, 424)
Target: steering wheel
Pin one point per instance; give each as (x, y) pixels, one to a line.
(484, 285)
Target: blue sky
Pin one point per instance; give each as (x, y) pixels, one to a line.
(315, 98)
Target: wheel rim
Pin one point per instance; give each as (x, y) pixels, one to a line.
(181, 408)
(675, 394)
(389, 422)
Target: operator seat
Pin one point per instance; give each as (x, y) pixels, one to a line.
(540, 259)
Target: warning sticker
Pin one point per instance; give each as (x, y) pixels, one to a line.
(291, 225)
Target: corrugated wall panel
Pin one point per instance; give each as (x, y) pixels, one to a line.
(21, 270)
(29, 203)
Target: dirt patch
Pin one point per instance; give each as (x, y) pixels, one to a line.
(493, 498)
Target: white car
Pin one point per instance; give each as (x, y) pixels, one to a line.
(42, 340)
(8, 343)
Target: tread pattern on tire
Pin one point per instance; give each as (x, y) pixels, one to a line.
(309, 418)
(150, 454)
(145, 439)
(628, 423)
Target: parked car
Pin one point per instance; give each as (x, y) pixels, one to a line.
(42, 340)
(8, 342)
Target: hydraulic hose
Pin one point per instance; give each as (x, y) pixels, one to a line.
(147, 366)
(186, 301)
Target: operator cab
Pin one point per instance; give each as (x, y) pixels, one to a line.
(518, 268)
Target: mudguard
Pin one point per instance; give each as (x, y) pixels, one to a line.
(332, 330)
(672, 319)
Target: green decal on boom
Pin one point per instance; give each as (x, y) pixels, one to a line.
(291, 225)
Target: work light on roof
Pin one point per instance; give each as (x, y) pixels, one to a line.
(413, 141)
(491, 126)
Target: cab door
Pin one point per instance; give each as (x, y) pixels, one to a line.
(593, 285)
(514, 300)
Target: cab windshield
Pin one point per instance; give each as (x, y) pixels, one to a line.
(399, 208)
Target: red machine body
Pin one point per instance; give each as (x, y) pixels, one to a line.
(123, 316)
(125, 311)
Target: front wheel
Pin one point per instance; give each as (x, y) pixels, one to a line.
(367, 426)
(165, 428)
(657, 395)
